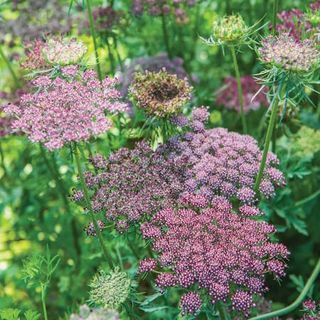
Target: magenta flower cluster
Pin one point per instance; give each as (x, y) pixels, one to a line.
(131, 184)
(216, 162)
(253, 96)
(216, 251)
(68, 109)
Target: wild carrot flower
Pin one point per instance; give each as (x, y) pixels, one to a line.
(63, 51)
(131, 184)
(253, 98)
(111, 289)
(65, 110)
(159, 93)
(212, 252)
(284, 52)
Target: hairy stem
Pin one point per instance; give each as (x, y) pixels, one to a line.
(165, 35)
(298, 301)
(89, 206)
(93, 35)
(239, 86)
(7, 62)
(222, 311)
(274, 112)
(43, 300)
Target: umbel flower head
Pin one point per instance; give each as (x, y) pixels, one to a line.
(159, 93)
(63, 51)
(286, 53)
(111, 289)
(229, 30)
(214, 253)
(66, 110)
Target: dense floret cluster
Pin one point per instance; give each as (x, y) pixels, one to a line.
(61, 111)
(216, 250)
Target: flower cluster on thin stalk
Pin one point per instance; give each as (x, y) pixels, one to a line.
(289, 64)
(253, 95)
(164, 7)
(87, 313)
(69, 109)
(130, 184)
(214, 255)
(110, 290)
(311, 310)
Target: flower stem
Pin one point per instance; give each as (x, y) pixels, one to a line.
(165, 35)
(274, 16)
(222, 311)
(274, 112)
(93, 35)
(43, 300)
(239, 86)
(89, 206)
(7, 62)
(298, 301)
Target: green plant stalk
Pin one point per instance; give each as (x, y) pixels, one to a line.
(54, 171)
(43, 300)
(299, 299)
(89, 206)
(274, 16)
(222, 311)
(274, 112)
(93, 35)
(7, 62)
(165, 35)
(110, 55)
(239, 86)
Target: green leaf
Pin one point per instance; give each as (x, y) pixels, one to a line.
(10, 314)
(32, 315)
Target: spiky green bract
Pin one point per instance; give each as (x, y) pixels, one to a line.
(110, 290)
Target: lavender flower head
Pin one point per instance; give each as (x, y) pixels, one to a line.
(159, 93)
(66, 110)
(228, 94)
(214, 252)
(131, 184)
(284, 52)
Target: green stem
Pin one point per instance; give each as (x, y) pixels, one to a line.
(239, 86)
(274, 16)
(165, 35)
(110, 55)
(306, 200)
(222, 311)
(43, 299)
(54, 171)
(7, 62)
(4, 168)
(93, 35)
(274, 112)
(298, 301)
(89, 206)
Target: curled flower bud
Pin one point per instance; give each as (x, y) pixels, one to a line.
(159, 93)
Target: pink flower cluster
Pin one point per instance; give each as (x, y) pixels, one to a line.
(213, 251)
(253, 98)
(216, 162)
(61, 111)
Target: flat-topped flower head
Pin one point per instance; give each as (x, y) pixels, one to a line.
(229, 29)
(160, 94)
(285, 52)
(61, 111)
(64, 51)
(111, 289)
